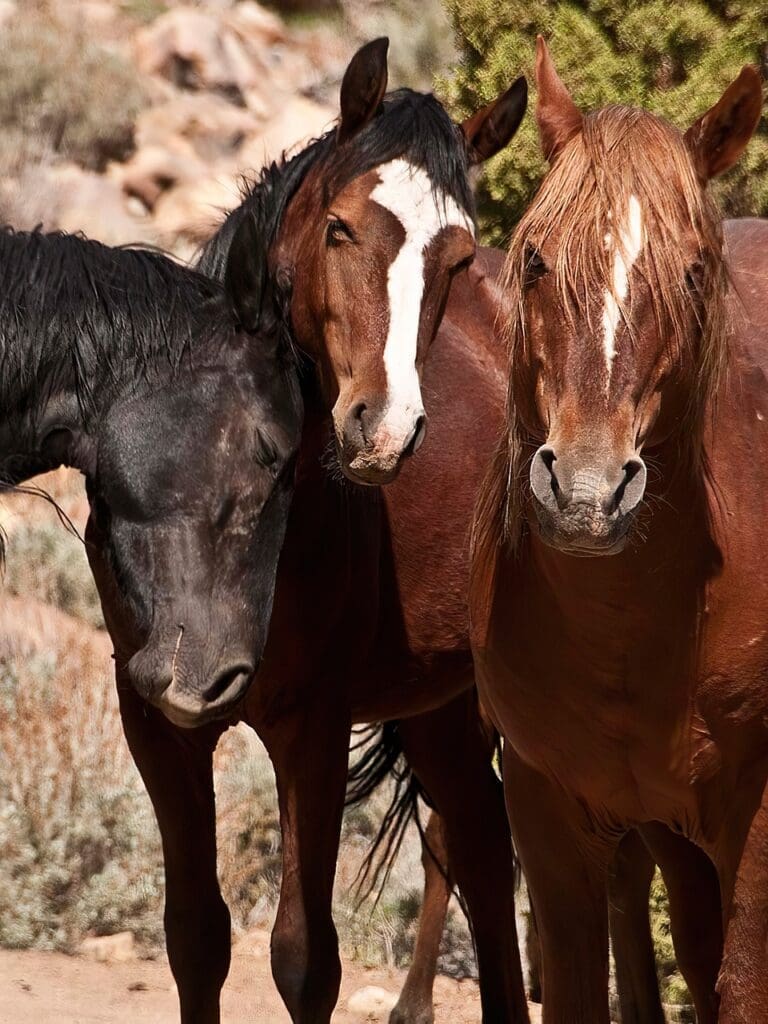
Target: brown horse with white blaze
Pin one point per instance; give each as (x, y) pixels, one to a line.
(619, 593)
(371, 226)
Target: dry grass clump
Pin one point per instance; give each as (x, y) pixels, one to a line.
(47, 561)
(61, 94)
(79, 851)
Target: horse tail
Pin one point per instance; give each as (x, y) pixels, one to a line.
(381, 758)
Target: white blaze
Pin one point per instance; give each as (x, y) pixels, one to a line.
(407, 192)
(625, 254)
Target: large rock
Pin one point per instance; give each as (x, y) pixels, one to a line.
(153, 170)
(300, 121)
(188, 215)
(203, 125)
(65, 197)
(246, 54)
(224, 52)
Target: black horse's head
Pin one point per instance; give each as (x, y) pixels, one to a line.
(186, 428)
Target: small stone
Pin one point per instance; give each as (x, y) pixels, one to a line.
(371, 1002)
(114, 949)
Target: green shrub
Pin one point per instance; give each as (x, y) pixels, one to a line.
(673, 988)
(70, 94)
(421, 42)
(672, 59)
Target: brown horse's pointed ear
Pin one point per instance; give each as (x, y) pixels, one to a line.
(489, 130)
(718, 139)
(363, 88)
(558, 117)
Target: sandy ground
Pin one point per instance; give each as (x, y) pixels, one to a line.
(49, 988)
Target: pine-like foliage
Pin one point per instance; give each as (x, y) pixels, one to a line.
(673, 59)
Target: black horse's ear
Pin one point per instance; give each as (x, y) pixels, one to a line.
(64, 445)
(245, 275)
(363, 88)
(489, 130)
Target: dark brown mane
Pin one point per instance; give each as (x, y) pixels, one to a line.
(620, 152)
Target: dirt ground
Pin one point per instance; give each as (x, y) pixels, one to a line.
(49, 988)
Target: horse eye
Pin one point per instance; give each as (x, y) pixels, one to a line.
(694, 278)
(338, 232)
(535, 267)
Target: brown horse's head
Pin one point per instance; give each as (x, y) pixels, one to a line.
(619, 276)
(373, 221)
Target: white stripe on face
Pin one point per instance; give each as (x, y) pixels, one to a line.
(625, 254)
(406, 191)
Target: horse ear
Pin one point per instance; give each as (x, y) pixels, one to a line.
(245, 274)
(558, 117)
(489, 130)
(718, 139)
(363, 88)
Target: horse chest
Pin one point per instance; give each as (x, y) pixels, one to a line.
(597, 699)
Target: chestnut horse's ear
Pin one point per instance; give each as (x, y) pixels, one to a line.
(718, 139)
(363, 88)
(558, 117)
(489, 130)
(245, 274)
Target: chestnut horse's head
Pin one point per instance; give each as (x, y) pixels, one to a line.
(365, 231)
(619, 275)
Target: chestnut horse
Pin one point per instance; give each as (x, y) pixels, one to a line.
(354, 244)
(618, 593)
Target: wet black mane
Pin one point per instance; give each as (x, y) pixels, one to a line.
(409, 125)
(76, 313)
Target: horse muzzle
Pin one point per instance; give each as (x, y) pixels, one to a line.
(373, 445)
(187, 693)
(584, 507)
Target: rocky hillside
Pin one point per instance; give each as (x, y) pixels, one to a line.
(134, 121)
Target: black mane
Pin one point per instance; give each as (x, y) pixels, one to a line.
(74, 312)
(410, 125)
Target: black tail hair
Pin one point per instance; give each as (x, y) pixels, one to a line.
(381, 758)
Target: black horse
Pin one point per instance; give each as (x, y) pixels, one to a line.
(131, 368)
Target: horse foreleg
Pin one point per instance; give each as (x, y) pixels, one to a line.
(415, 1003)
(629, 885)
(694, 911)
(177, 769)
(309, 750)
(565, 865)
(450, 754)
(743, 980)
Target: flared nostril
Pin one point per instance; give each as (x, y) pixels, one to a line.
(356, 423)
(417, 437)
(544, 480)
(229, 685)
(630, 491)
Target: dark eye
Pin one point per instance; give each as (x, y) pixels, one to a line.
(463, 263)
(337, 233)
(694, 278)
(268, 453)
(535, 267)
